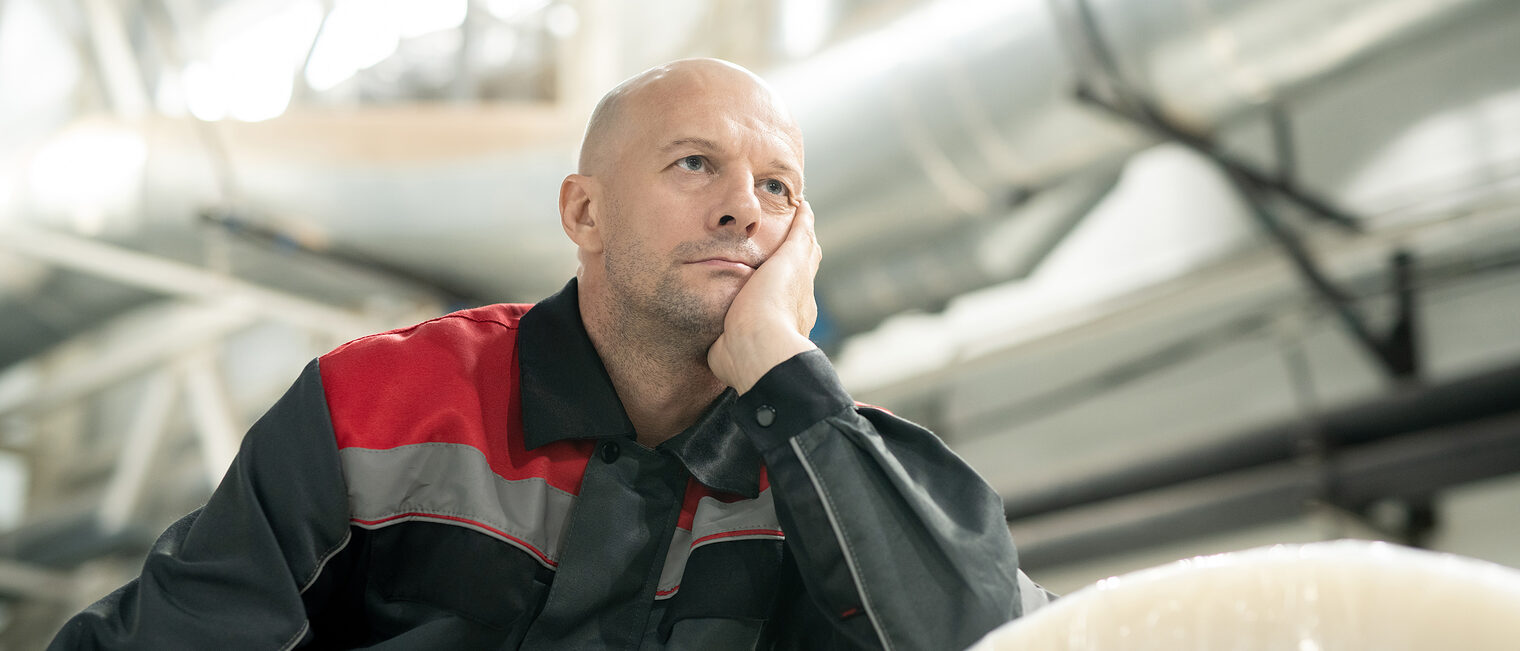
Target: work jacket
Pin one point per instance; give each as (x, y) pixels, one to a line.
(472, 482)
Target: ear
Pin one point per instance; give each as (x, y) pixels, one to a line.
(577, 215)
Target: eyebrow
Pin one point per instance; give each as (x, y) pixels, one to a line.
(785, 168)
(701, 143)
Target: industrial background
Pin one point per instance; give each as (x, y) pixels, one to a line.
(1176, 276)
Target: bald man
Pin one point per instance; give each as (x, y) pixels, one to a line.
(655, 457)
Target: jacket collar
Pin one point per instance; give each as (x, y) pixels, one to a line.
(566, 394)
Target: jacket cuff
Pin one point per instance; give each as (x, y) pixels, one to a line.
(791, 397)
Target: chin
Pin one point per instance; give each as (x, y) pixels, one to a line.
(696, 308)
(693, 315)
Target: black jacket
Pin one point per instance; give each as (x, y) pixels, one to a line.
(472, 482)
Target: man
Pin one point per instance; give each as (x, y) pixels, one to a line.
(655, 457)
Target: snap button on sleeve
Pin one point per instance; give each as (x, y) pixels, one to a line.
(610, 451)
(765, 415)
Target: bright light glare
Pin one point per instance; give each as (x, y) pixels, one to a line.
(804, 24)
(496, 46)
(511, 10)
(249, 77)
(88, 172)
(562, 20)
(358, 34)
(204, 95)
(10, 171)
(169, 94)
(418, 17)
(38, 66)
(914, 36)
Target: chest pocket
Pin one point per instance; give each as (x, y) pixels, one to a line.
(728, 589)
(420, 566)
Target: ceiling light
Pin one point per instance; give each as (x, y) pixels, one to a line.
(249, 76)
(356, 35)
(418, 17)
(87, 173)
(562, 20)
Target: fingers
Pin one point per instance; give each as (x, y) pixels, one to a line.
(800, 232)
(803, 235)
(807, 236)
(805, 214)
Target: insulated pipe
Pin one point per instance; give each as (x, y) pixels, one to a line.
(938, 118)
(962, 101)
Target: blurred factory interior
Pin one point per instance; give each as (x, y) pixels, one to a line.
(1176, 276)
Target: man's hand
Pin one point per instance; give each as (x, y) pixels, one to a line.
(771, 316)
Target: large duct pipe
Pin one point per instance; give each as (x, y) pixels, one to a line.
(942, 116)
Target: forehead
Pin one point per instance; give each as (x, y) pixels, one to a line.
(733, 115)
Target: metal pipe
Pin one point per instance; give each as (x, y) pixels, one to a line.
(1408, 409)
(1406, 467)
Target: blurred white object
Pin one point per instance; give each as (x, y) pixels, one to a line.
(1334, 596)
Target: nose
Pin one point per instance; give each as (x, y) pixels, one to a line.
(738, 208)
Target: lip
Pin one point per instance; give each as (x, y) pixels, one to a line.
(726, 263)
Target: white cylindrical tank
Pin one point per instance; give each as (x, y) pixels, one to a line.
(1336, 596)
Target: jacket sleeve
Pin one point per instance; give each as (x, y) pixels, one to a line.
(898, 542)
(239, 572)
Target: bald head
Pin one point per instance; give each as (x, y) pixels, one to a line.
(630, 110)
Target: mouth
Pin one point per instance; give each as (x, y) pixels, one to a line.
(722, 262)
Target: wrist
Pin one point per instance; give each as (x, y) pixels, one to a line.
(755, 356)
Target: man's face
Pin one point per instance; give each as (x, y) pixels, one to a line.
(702, 192)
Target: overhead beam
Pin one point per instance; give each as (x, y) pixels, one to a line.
(179, 279)
(115, 60)
(216, 427)
(20, 580)
(1410, 467)
(139, 449)
(1400, 412)
(58, 377)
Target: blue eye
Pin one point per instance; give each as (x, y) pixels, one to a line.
(774, 187)
(692, 163)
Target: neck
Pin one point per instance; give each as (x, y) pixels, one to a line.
(664, 382)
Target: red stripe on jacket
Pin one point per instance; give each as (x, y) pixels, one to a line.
(452, 379)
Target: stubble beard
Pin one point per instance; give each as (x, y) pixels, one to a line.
(654, 304)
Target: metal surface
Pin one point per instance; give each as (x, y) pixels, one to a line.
(1408, 410)
(1407, 467)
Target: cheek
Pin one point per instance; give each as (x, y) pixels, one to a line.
(776, 234)
(659, 218)
(636, 246)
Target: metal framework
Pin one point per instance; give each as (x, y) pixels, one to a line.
(1400, 449)
(1101, 85)
(95, 497)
